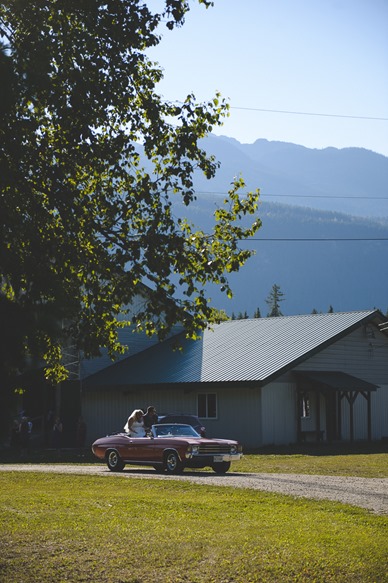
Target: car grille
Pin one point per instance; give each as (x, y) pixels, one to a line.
(211, 449)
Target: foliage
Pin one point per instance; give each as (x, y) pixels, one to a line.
(91, 162)
(273, 301)
(118, 529)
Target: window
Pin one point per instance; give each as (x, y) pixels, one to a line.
(305, 405)
(207, 405)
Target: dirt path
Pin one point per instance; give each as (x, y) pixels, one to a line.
(369, 493)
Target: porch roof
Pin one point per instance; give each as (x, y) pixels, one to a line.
(335, 381)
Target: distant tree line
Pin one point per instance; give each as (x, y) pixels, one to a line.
(273, 300)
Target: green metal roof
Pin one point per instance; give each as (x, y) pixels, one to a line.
(252, 351)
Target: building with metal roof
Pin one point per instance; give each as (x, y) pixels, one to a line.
(263, 381)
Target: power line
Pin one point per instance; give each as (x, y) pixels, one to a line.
(310, 113)
(323, 240)
(326, 196)
(302, 195)
(289, 112)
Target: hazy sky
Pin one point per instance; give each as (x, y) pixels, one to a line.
(309, 56)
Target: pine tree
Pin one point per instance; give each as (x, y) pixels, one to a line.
(273, 300)
(257, 313)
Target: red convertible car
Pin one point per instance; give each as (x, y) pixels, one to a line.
(170, 447)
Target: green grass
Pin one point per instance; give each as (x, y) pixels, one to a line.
(108, 529)
(360, 465)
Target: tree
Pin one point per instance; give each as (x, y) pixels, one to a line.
(257, 313)
(330, 310)
(92, 160)
(273, 301)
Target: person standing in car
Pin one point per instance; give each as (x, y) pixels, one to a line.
(150, 418)
(135, 425)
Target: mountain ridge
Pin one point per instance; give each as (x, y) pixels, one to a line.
(348, 268)
(350, 180)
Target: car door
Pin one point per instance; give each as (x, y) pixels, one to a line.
(140, 449)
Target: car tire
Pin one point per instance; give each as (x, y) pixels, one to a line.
(172, 463)
(114, 461)
(221, 467)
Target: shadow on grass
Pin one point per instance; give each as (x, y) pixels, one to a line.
(47, 456)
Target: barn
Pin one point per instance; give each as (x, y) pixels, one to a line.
(263, 381)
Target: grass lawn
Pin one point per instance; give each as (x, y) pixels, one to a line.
(360, 465)
(103, 529)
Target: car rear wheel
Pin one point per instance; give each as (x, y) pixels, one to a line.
(172, 463)
(221, 467)
(114, 461)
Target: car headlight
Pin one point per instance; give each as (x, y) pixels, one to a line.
(195, 449)
(233, 449)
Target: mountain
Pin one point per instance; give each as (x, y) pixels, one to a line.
(336, 194)
(331, 194)
(347, 274)
(349, 180)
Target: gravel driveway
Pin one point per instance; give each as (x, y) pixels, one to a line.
(369, 493)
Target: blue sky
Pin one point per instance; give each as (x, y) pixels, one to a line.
(309, 56)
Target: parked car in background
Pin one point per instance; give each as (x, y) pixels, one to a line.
(186, 419)
(171, 447)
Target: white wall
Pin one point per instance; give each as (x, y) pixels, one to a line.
(356, 354)
(278, 409)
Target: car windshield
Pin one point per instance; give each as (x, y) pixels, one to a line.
(174, 430)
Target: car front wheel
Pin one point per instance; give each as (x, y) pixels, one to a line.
(114, 461)
(172, 463)
(221, 467)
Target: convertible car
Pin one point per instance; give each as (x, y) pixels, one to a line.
(170, 447)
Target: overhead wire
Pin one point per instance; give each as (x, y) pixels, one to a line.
(323, 196)
(291, 112)
(273, 195)
(317, 239)
(309, 113)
